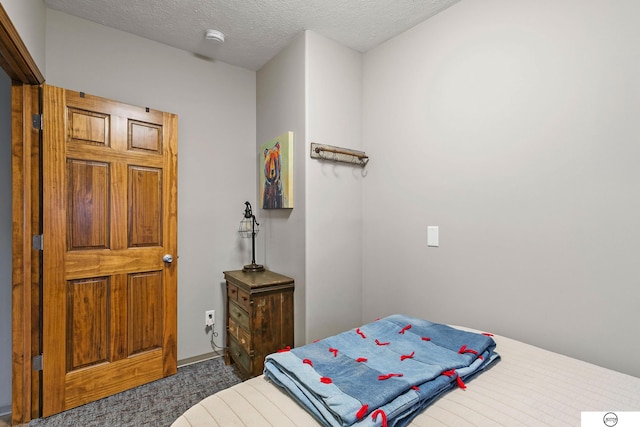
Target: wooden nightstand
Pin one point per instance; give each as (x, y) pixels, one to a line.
(259, 317)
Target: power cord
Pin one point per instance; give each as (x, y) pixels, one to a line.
(214, 334)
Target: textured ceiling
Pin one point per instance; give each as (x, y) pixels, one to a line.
(255, 30)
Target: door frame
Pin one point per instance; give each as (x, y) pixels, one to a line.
(19, 65)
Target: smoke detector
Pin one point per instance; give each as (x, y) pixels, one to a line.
(215, 35)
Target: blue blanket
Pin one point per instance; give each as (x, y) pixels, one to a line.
(382, 373)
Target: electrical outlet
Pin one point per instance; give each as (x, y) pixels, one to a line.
(209, 317)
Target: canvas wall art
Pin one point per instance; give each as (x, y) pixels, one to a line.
(276, 172)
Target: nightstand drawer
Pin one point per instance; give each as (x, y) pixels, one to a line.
(239, 355)
(244, 300)
(233, 328)
(238, 315)
(232, 292)
(243, 337)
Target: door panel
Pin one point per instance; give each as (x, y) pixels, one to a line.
(87, 305)
(145, 200)
(110, 214)
(88, 205)
(145, 312)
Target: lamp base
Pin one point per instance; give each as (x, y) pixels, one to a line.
(252, 268)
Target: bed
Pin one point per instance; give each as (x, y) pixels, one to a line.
(527, 386)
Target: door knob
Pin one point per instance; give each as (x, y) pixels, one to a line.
(167, 258)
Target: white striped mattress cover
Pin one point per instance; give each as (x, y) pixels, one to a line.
(529, 386)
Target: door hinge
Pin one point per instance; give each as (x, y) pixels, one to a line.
(36, 363)
(38, 242)
(36, 121)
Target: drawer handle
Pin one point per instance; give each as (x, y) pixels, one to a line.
(244, 298)
(237, 354)
(239, 315)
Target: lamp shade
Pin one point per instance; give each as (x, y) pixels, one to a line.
(249, 227)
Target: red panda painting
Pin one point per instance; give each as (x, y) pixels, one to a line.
(276, 178)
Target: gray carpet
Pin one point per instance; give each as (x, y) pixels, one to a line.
(155, 404)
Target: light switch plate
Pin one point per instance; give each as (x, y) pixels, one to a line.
(433, 235)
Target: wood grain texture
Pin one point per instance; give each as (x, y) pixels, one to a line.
(145, 206)
(145, 316)
(170, 242)
(259, 317)
(88, 127)
(87, 322)
(36, 256)
(88, 205)
(111, 207)
(17, 62)
(113, 378)
(25, 268)
(145, 136)
(54, 226)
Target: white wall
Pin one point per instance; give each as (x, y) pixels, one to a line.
(280, 100)
(334, 190)
(215, 104)
(512, 125)
(5, 243)
(313, 87)
(28, 16)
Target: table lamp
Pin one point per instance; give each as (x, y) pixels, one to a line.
(249, 227)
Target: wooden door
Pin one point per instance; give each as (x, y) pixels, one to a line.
(109, 217)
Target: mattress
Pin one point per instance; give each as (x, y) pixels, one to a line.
(530, 386)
